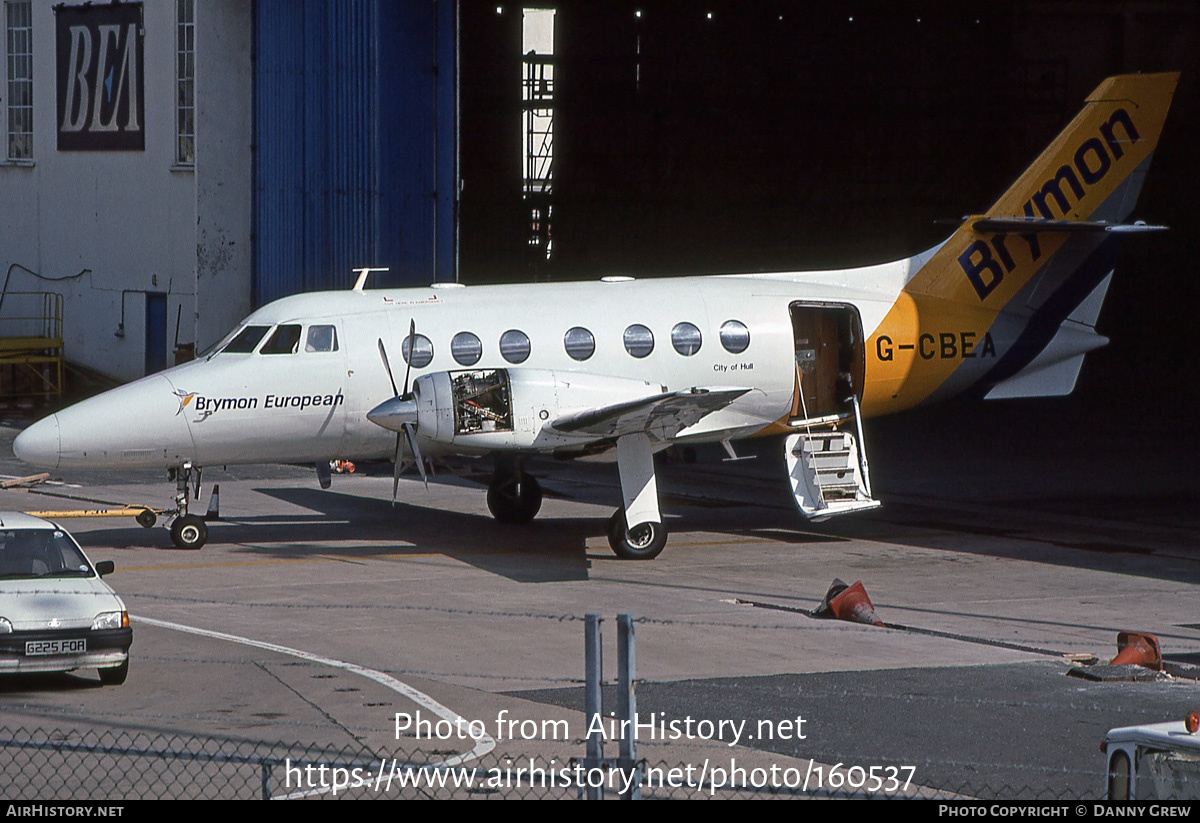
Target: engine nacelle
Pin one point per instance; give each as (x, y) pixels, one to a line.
(486, 409)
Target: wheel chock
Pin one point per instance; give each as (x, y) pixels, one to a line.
(1140, 649)
(848, 603)
(214, 504)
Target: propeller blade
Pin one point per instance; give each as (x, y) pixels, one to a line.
(412, 339)
(411, 431)
(398, 456)
(387, 366)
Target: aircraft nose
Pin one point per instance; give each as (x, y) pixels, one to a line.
(39, 444)
(137, 425)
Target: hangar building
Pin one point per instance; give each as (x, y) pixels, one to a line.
(168, 165)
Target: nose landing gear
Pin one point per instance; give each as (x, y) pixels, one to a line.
(188, 531)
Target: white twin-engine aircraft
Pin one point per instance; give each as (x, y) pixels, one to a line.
(1006, 307)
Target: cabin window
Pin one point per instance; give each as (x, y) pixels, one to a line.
(514, 346)
(639, 340)
(321, 338)
(246, 340)
(284, 340)
(466, 349)
(579, 343)
(735, 337)
(685, 337)
(422, 348)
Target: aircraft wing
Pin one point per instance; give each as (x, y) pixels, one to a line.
(659, 416)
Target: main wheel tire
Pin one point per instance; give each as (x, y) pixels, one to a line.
(189, 532)
(146, 518)
(115, 675)
(514, 498)
(643, 542)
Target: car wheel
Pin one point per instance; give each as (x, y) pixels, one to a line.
(643, 542)
(189, 532)
(115, 675)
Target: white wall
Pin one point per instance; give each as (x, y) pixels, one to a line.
(224, 166)
(133, 219)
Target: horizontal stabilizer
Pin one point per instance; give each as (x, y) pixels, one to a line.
(1026, 225)
(660, 416)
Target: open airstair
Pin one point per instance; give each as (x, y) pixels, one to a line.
(827, 465)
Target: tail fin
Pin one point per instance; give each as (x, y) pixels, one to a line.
(1007, 281)
(1091, 173)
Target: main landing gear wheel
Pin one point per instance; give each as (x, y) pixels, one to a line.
(514, 498)
(189, 532)
(642, 542)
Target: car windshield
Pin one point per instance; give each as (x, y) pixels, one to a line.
(34, 553)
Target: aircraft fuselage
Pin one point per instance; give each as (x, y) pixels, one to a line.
(304, 406)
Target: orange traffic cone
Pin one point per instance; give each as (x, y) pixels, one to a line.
(848, 603)
(1139, 648)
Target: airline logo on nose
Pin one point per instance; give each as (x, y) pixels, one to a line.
(206, 407)
(184, 397)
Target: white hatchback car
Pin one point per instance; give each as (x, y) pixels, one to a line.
(56, 614)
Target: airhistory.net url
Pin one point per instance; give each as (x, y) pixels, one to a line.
(307, 779)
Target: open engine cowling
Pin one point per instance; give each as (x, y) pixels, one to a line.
(486, 409)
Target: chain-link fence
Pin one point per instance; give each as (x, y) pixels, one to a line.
(123, 765)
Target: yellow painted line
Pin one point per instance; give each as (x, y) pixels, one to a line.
(235, 563)
(406, 556)
(729, 543)
(230, 564)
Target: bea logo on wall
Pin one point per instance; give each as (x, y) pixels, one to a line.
(100, 78)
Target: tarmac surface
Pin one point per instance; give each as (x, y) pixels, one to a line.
(1011, 536)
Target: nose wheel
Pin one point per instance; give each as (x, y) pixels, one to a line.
(189, 532)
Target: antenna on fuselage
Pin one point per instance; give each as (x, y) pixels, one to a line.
(363, 273)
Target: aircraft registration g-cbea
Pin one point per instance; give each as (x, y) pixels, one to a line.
(1006, 307)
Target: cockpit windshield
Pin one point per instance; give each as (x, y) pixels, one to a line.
(285, 338)
(246, 340)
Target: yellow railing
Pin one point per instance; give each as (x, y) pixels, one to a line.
(31, 345)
